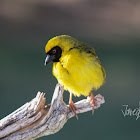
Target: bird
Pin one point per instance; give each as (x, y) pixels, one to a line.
(76, 66)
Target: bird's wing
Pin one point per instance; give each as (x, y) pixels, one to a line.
(82, 47)
(87, 49)
(90, 50)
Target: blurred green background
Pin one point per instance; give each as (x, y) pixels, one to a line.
(111, 27)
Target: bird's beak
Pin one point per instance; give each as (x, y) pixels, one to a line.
(48, 59)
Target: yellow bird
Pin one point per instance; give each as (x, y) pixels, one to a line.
(76, 67)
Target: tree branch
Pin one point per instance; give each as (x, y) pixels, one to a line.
(34, 119)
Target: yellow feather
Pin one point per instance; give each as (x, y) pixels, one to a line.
(78, 69)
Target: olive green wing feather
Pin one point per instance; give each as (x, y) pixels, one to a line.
(87, 49)
(90, 50)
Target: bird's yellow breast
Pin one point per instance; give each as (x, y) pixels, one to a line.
(79, 72)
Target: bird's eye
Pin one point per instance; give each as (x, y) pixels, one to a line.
(54, 51)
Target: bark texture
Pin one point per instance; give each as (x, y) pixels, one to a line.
(34, 119)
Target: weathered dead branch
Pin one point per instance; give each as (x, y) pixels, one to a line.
(34, 119)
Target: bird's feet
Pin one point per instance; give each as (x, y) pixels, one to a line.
(73, 108)
(92, 102)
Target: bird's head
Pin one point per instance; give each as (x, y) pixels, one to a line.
(58, 46)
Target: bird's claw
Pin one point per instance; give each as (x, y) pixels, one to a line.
(93, 103)
(73, 108)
